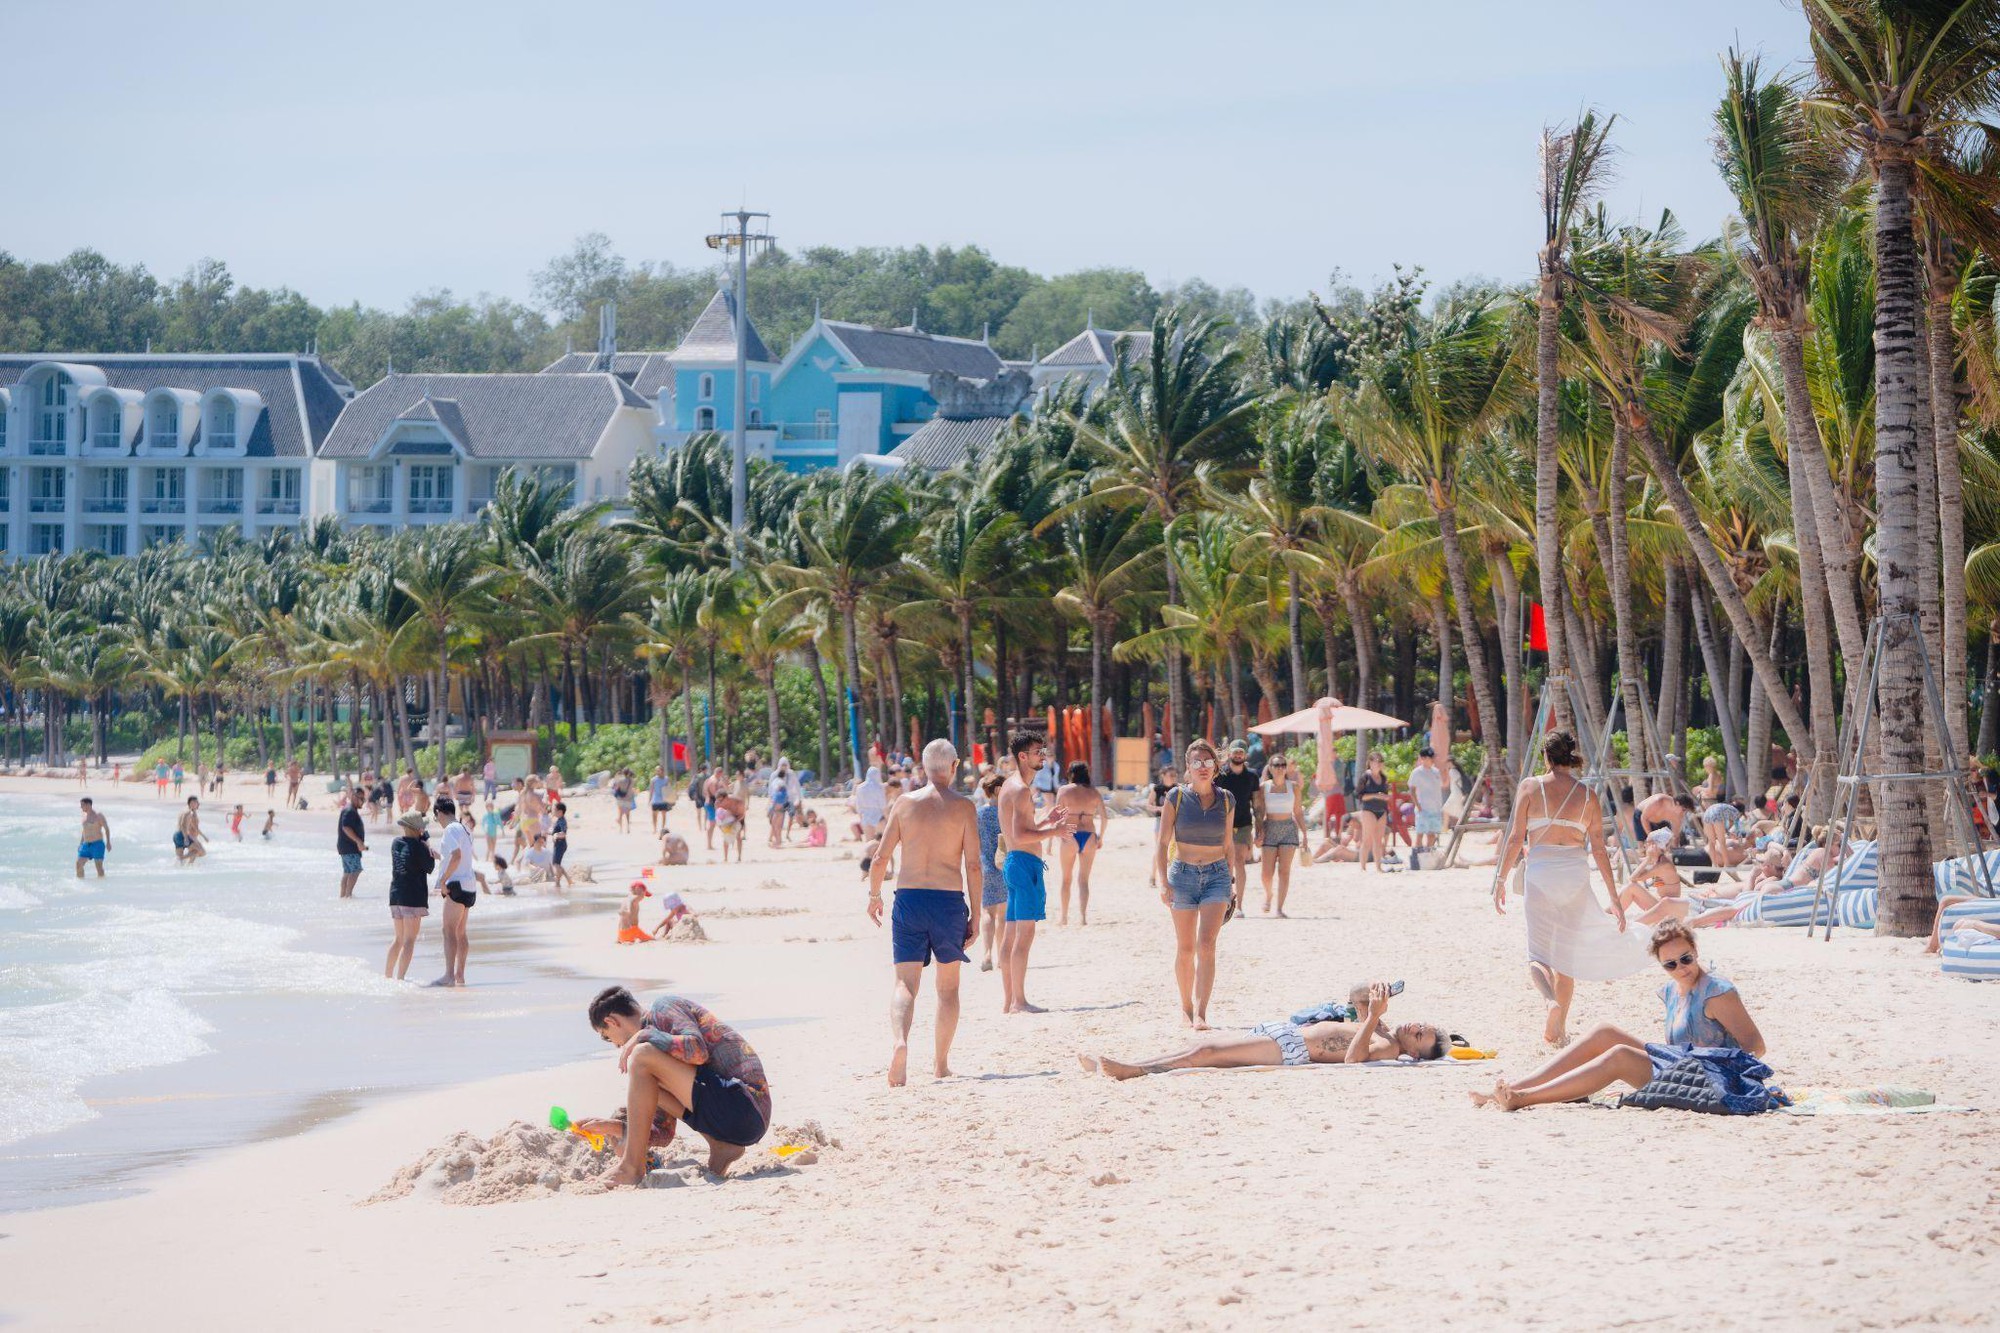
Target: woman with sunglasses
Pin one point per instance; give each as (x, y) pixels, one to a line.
(1556, 832)
(1194, 859)
(1702, 1010)
(1281, 815)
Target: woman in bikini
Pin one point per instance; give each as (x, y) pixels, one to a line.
(1556, 831)
(1288, 1043)
(1281, 817)
(1078, 851)
(1373, 789)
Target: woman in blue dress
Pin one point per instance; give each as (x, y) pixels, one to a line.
(1702, 1010)
(992, 884)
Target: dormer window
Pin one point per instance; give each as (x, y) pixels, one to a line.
(107, 423)
(704, 418)
(707, 387)
(221, 431)
(163, 428)
(51, 421)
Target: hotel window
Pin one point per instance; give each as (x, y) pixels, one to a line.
(281, 491)
(222, 424)
(430, 488)
(108, 431)
(707, 386)
(369, 489)
(52, 416)
(704, 418)
(164, 429)
(756, 417)
(3, 422)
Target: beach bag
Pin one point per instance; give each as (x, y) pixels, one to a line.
(1713, 1080)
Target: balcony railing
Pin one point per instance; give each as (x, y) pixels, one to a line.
(221, 504)
(163, 504)
(369, 506)
(47, 504)
(106, 504)
(48, 448)
(430, 506)
(272, 504)
(809, 430)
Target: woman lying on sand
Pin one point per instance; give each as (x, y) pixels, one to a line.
(1287, 1043)
(1702, 1010)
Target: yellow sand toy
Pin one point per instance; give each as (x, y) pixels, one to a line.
(559, 1120)
(1472, 1053)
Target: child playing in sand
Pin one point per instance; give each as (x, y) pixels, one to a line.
(679, 1058)
(489, 824)
(501, 883)
(236, 823)
(673, 849)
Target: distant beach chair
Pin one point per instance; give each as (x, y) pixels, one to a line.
(1975, 958)
(1960, 876)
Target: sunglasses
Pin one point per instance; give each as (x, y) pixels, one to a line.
(1201, 763)
(1676, 964)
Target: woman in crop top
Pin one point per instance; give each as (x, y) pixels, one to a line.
(1373, 789)
(1281, 817)
(1194, 857)
(1556, 831)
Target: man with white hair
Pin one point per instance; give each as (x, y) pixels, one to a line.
(936, 913)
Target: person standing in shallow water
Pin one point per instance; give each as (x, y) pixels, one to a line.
(936, 913)
(94, 841)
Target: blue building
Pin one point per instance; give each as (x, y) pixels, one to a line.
(842, 391)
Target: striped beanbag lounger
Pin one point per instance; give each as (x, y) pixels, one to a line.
(1960, 878)
(1983, 909)
(1971, 955)
(1856, 910)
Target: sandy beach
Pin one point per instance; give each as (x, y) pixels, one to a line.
(1027, 1192)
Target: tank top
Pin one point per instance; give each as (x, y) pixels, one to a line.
(1278, 801)
(1196, 826)
(1688, 1023)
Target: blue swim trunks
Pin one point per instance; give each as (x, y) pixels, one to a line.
(1027, 898)
(90, 851)
(926, 924)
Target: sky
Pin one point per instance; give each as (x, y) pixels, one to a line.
(366, 151)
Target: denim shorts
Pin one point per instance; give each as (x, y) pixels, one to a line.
(350, 863)
(1195, 885)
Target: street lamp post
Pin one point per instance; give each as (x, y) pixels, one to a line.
(740, 240)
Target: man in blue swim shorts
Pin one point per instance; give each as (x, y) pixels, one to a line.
(1027, 899)
(936, 915)
(95, 840)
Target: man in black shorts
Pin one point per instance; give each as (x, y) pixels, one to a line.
(350, 840)
(458, 888)
(1241, 782)
(680, 1058)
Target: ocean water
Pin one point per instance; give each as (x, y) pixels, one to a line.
(165, 1011)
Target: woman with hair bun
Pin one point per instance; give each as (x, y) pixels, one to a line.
(1556, 831)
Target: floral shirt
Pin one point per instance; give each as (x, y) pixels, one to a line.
(690, 1033)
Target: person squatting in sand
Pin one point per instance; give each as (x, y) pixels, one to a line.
(1288, 1043)
(1027, 895)
(679, 1058)
(935, 914)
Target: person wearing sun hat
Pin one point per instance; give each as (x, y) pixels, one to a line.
(410, 864)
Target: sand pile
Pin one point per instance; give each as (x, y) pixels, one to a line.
(522, 1161)
(687, 930)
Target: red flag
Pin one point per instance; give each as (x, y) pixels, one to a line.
(680, 753)
(1538, 628)
(978, 753)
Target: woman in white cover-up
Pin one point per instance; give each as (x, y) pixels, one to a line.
(1556, 831)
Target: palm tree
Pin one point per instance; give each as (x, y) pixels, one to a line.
(587, 590)
(447, 575)
(1574, 161)
(1108, 558)
(1444, 379)
(671, 637)
(1163, 417)
(17, 661)
(1899, 75)
(763, 636)
(850, 529)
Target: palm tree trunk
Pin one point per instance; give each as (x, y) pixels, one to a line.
(1548, 470)
(1616, 538)
(285, 722)
(1364, 658)
(1906, 898)
(687, 716)
(1323, 607)
(1725, 718)
(1441, 631)
(1950, 491)
(707, 749)
(1757, 748)
(1100, 744)
(965, 700)
(818, 669)
(1490, 723)
(1816, 619)
(1673, 653)
(769, 676)
(1507, 615)
(896, 718)
(1989, 707)
(1178, 733)
(402, 709)
(441, 705)
(1839, 548)
(1300, 698)
(1741, 623)
(852, 650)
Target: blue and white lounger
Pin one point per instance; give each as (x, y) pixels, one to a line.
(1974, 958)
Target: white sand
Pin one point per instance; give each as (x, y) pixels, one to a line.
(1026, 1192)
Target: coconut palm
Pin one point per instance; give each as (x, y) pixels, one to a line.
(447, 575)
(586, 591)
(1164, 416)
(1108, 558)
(1574, 161)
(1899, 76)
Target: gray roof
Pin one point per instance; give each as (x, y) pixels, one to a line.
(712, 337)
(940, 444)
(1097, 347)
(302, 396)
(493, 416)
(901, 349)
(646, 372)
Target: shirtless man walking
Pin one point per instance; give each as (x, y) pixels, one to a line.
(937, 907)
(94, 841)
(1027, 896)
(189, 841)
